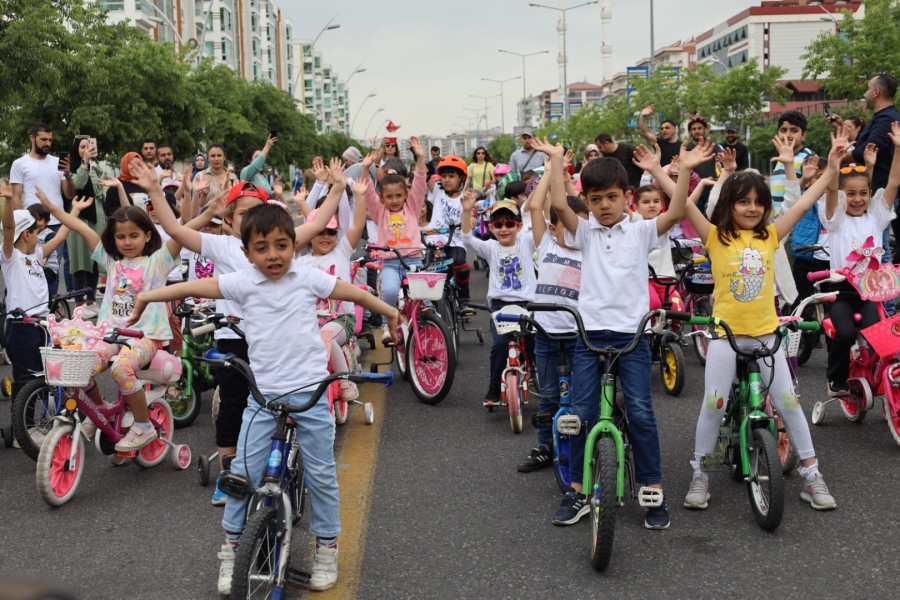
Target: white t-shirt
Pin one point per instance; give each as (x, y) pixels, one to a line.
(447, 211)
(512, 267)
(614, 292)
(175, 274)
(225, 252)
(559, 282)
(26, 286)
(52, 260)
(337, 263)
(285, 347)
(31, 173)
(845, 230)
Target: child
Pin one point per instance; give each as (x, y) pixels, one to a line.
(136, 260)
(854, 220)
(277, 296)
(51, 261)
(26, 282)
(614, 276)
(791, 124)
(649, 205)
(741, 243)
(559, 281)
(512, 280)
(516, 192)
(449, 211)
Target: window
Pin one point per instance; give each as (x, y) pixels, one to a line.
(255, 71)
(255, 48)
(318, 94)
(307, 85)
(226, 51)
(290, 52)
(327, 102)
(269, 54)
(308, 102)
(272, 75)
(210, 48)
(318, 62)
(268, 33)
(305, 49)
(287, 33)
(290, 73)
(254, 23)
(326, 88)
(307, 69)
(113, 5)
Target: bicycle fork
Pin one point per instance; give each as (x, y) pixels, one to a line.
(605, 427)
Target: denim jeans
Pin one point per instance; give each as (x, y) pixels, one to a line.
(315, 433)
(392, 273)
(500, 347)
(889, 305)
(63, 253)
(23, 343)
(546, 357)
(634, 376)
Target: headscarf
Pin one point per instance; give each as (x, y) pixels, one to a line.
(194, 164)
(125, 175)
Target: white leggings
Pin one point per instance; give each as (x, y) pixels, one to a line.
(337, 362)
(720, 370)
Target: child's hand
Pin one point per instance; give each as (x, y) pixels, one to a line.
(359, 187)
(702, 152)
(318, 167)
(708, 181)
(894, 133)
(145, 176)
(45, 201)
(838, 147)
(785, 148)
(201, 183)
(79, 204)
(870, 155)
(139, 305)
(188, 173)
(216, 204)
(675, 163)
(648, 110)
(645, 159)
(810, 167)
(111, 182)
(393, 321)
(567, 158)
(416, 147)
(6, 190)
(468, 199)
(547, 148)
(300, 195)
(277, 188)
(728, 158)
(336, 170)
(369, 160)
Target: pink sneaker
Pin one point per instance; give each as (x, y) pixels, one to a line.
(349, 391)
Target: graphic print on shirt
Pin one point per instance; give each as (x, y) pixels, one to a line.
(751, 273)
(510, 271)
(34, 268)
(203, 267)
(128, 283)
(566, 275)
(327, 309)
(397, 227)
(865, 255)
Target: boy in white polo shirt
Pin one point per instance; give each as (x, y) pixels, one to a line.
(612, 301)
(277, 297)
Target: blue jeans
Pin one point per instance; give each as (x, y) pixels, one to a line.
(500, 347)
(63, 253)
(889, 305)
(315, 433)
(634, 376)
(392, 273)
(546, 357)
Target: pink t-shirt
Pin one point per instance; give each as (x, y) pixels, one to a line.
(399, 229)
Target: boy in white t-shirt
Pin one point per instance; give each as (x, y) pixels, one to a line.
(277, 297)
(511, 262)
(45, 234)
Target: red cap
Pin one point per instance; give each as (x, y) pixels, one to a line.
(240, 189)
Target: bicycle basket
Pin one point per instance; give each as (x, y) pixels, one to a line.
(884, 337)
(426, 286)
(791, 343)
(700, 283)
(68, 368)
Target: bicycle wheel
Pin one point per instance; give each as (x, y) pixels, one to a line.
(298, 484)
(891, 405)
(155, 452)
(603, 503)
(186, 405)
(702, 308)
(513, 402)
(787, 454)
(57, 477)
(447, 309)
(671, 368)
(400, 351)
(765, 485)
(432, 363)
(33, 410)
(339, 407)
(808, 340)
(852, 409)
(256, 561)
(62, 310)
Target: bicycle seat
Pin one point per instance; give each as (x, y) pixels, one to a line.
(164, 368)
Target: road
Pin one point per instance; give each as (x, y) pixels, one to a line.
(433, 508)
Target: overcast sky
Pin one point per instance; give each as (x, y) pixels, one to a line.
(424, 58)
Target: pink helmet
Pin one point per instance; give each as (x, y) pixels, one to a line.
(501, 169)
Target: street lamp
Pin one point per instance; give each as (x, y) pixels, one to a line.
(366, 135)
(485, 98)
(355, 71)
(162, 18)
(328, 27)
(477, 121)
(524, 56)
(372, 94)
(565, 58)
(502, 109)
(830, 14)
(719, 60)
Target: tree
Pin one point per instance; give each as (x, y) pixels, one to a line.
(501, 148)
(865, 48)
(742, 93)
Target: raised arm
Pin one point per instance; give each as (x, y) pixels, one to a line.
(419, 188)
(645, 129)
(78, 205)
(811, 196)
(566, 215)
(354, 233)
(678, 204)
(200, 288)
(648, 161)
(310, 229)
(181, 235)
(890, 192)
(536, 200)
(9, 220)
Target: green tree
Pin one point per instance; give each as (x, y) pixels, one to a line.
(501, 148)
(742, 93)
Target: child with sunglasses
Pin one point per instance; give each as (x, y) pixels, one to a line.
(512, 279)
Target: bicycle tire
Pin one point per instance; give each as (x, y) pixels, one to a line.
(257, 556)
(702, 308)
(432, 378)
(561, 454)
(186, 407)
(765, 484)
(671, 357)
(298, 484)
(56, 481)
(449, 315)
(603, 503)
(25, 403)
(514, 402)
(400, 351)
(851, 410)
(808, 340)
(891, 405)
(62, 310)
(155, 452)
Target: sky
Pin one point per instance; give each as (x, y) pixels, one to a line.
(424, 59)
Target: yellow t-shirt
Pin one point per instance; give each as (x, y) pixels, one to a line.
(744, 272)
(478, 174)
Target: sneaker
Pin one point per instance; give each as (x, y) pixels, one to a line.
(90, 310)
(385, 334)
(574, 506)
(492, 398)
(136, 438)
(539, 458)
(325, 569)
(226, 568)
(657, 517)
(816, 493)
(88, 429)
(37, 436)
(218, 497)
(837, 390)
(349, 391)
(698, 494)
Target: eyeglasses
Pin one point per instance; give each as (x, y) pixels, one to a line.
(505, 224)
(852, 168)
(330, 232)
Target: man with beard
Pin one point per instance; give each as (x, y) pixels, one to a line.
(697, 128)
(526, 158)
(165, 167)
(148, 153)
(669, 144)
(879, 99)
(38, 169)
(741, 155)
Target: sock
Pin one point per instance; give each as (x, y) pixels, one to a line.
(232, 539)
(696, 465)
(327, 542)
(143, 425)
(809, 473)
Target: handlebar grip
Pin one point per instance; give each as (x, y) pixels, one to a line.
(699, 260)
(678, 316)
(203, 329)
(387, 378)
(817, 275)
(808, 325)
(537, 306)
(27, 319)
(213, 354)
(131, 333)
(508, 318)
(81, 292)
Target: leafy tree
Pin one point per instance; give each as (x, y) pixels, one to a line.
(501, 148)
(742, 93)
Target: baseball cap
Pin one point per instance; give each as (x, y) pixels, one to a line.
(731, 127)
(332, 222)
(24, 221)
(505, 205)
(241, 189)
(527, 131)
(217, 220)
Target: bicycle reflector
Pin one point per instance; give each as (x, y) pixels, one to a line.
(568, 424)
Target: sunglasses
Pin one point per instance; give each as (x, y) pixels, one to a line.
(82, 137)
(330, 232)
(479, 154)
(505, 224)
(390, 145)
(852, 168)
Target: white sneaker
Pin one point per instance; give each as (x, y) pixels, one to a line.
(325, 569)
(90, 310)
(385, 334)
(88, 430)
(226, 569)
(136, 438)
(349, 391)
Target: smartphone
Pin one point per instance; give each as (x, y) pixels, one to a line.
(828, 110)
(92, 145)
(62, 157)
(273, 133)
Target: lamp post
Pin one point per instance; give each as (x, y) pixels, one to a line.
(565, 58)
(485, 98)
(358, 69)
(830, 14)
(372, 94)
(524, 56)
(477, 121)
(502, 108)
(162, 18)
(328, 27)
(366, 134)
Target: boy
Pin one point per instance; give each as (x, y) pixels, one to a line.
(45, 234)
(791, 124)
(511, 262)
(26, 285)
(277, 284)
(448, 211)
(559, 281)
(614, 280)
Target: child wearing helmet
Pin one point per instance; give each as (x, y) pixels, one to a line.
(449, 211)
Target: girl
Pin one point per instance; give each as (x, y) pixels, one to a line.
(741, 244)
(254, 161)
(136, 261)
(85, 272)
(330, 252)
(855, 221)
(648, 204)
(481, 169)
(125, 190)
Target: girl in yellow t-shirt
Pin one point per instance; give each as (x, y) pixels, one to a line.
(741, 247)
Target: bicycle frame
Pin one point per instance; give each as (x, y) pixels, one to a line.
(605, 427)
(749, 401)
(516, 350)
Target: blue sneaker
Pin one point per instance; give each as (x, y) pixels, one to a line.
(657, 517)
(218, 497)
(573, 507)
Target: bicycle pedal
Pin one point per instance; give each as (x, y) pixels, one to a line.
(235, 486)
(542, 421)
(650, 497)
(466, 313)
(713, 461)
(297, 578)
(568, 424)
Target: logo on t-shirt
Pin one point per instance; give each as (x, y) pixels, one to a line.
(128, 282)
(397, 229)
(751, 275)
(510, 270)
(34, 268)
(561, 275)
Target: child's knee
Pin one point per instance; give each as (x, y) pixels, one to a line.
(714, 403)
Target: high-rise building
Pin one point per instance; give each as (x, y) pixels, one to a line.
(320, 92)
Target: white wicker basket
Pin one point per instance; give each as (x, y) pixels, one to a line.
(68, 368)
(426, 286)
(791, 343)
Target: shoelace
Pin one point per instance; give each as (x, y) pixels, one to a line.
(698, 486)
(817, 486)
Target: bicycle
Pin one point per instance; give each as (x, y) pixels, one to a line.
(262, 560)
(812, 308)
(696, 291)
(665, 343)
(424, 348)
(196, 376)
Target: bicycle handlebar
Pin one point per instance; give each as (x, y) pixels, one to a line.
(21, 312)
(217, 321)
(780, 332)
(400, 257)
(527, 320)
(818, 275)
(809, 248)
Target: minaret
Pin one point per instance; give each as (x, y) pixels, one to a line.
(561, 58)
(606, 35)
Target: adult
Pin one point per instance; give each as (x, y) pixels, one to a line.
(297, 181)
(526, 158)
(432, 165)
(254, 161)
(667, 140)
(698, 130)
(388, 149)
(220, 178)
(591, 151)
(481, 169)
(38, 169)
(741, 154)
(87, 181)
(852, 127)
(198, 164)
(148, 153)
(166, 167)
(622, 152)
(123, 191)
(351, 156)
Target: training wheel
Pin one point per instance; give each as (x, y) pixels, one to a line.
(480, 336)
(818, 413)
(7, 437)
(180, 456)
(203, 470)
(7, 386)
(369, 412)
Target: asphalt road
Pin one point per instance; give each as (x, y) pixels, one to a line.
(448, 516)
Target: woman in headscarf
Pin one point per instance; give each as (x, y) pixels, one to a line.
(124, 191)
(199, 163)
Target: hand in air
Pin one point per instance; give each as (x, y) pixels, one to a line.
(144, 176)
(359, 187)
(336, 170)
(894, 133)
(645, 159)
(648, 110)
(201, 183)
(369, 160)
(699, 154)
(728, 158)
(870, 155)
(110, 182)
(319, 168)
(80, 203)
(416, 147)
(784, 145)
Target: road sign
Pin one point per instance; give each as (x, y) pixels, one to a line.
(556, 111)
(631, 72)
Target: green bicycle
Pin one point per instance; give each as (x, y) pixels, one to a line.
(196, 375)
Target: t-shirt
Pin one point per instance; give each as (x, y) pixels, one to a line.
(227, 256)
(559, 282)
(32, 173)
(522, 160)
(446, 211)
(511, 267)
(285, 347)
(777, 179)
(478, 174)
(741, 155)
(175, 275)
(126, 278)
(399, 229)
(624, 153)
(668, 150)
(52, 260)
(337, 263)
(845, 232)
(26, 286)
(744, 272)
